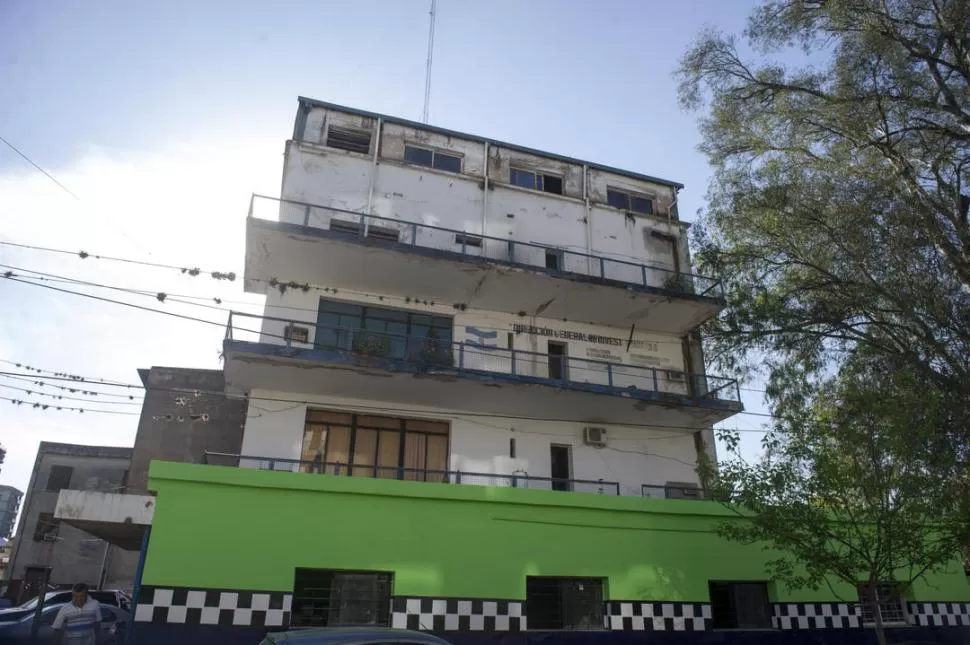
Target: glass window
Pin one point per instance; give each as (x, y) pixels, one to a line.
(323, 598)
(420, 156)
(59, 478)
(642, 205)
(629, 201)
(450, 163)
(617, 199)
(522, 178)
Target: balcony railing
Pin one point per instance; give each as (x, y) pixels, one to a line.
(674, 492)
(515, 480)
(396, 232)
(396, 351)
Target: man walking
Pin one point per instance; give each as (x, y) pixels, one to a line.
(78, 622)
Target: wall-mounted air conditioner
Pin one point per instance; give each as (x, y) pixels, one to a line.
(594, 436)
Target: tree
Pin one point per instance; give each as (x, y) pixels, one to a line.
(852, 491)
(837, 215)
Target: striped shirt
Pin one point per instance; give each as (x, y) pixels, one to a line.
(79, 623)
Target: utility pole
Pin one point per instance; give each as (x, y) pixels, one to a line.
(427, 73)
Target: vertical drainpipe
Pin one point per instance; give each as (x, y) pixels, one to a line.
(589, 224)
(373, 169)
(485, 197)
(136, 588)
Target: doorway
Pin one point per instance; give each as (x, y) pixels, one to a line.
(558, 361)
(560, 466)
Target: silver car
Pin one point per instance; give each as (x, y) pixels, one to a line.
(352, 636)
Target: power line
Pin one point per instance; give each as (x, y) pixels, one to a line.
(64, 397)
(48, 406)
(72, 390)
(196, 392)
(49, 176)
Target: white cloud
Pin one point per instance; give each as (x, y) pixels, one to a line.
(184, 204)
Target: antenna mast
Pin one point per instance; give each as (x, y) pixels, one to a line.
(427, 74)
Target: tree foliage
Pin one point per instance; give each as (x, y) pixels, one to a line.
(835, 216)
(839, 135)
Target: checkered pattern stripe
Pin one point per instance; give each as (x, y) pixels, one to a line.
(818, 615)
(939, 614)
(213, 607)
(658, 616)
(454, 614)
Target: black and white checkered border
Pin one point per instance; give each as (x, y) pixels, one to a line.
(815, 615)
(188, 606)
(939, 614)
(456, 614)
(622, 615)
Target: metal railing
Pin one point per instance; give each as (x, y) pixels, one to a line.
(429, 353)
(675, 492)
(372, 471)
(472, 245)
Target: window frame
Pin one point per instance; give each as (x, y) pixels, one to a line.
(47, 527)
(435, 154)
(382, 605)
(898, 598)
(731, 584)
(349, 130)
(538, 180)
(573, 623)
(630, 196)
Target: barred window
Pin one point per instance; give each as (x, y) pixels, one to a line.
(47, 527)
(888, 599)
(739, 605)
(329, 598)
(564, 603)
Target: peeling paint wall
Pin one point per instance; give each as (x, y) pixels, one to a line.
(465, 201)
(633, 457)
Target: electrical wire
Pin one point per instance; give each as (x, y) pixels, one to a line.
(72, 390)
(47, 174)
(47, 406)
(60, 397)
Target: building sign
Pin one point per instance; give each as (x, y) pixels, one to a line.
(583, 337)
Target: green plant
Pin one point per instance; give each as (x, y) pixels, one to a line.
(372, 344)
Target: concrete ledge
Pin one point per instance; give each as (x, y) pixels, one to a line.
(117, 518)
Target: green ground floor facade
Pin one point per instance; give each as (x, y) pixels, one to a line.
(228, 545)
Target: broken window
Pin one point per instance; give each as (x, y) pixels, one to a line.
(432, 158)
(535, 180)
(350, 139)
(628, 201)
(46, 528)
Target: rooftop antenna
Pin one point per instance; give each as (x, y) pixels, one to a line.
(427, 73)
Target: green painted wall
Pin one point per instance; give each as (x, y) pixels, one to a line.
(220, 527)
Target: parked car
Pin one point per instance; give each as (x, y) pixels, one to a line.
(15, 627)
(351, 636)
(113, 597)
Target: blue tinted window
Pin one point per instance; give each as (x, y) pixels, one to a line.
(617, 199)
(450, 163)
(641, 205)
(421, 156)
(522, 178)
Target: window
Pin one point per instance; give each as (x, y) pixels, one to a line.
(464, 239)
(342, 226)
(327, 598)
(564, 603)
(47, 527)
(59, 478)
(739, 605)
(432, 158)
(380, 331)
(629, 201)
(553, 259)
(350, 139)
(535, 180)
(339, 443)
(889, 600)
(296, 334)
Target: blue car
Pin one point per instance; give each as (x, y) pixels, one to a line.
(352, 636)
(15, 625)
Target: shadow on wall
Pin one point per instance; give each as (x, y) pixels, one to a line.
(656, 583)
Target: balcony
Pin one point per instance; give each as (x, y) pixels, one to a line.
(513, 480)
(296, 242)
(294, 356)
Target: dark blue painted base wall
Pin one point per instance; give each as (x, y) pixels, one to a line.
(167, 634)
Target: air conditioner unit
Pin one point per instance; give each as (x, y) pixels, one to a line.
(594, 436)
(682, 490)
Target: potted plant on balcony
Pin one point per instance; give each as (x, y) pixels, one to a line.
(371, 344)
(436, 351)
(677, 282)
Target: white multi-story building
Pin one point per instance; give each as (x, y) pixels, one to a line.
(459, 309)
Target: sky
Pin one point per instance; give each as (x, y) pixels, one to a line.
(161, 118)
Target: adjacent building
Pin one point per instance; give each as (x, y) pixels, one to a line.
(44, 541)
(9, 507)
(474, 404)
